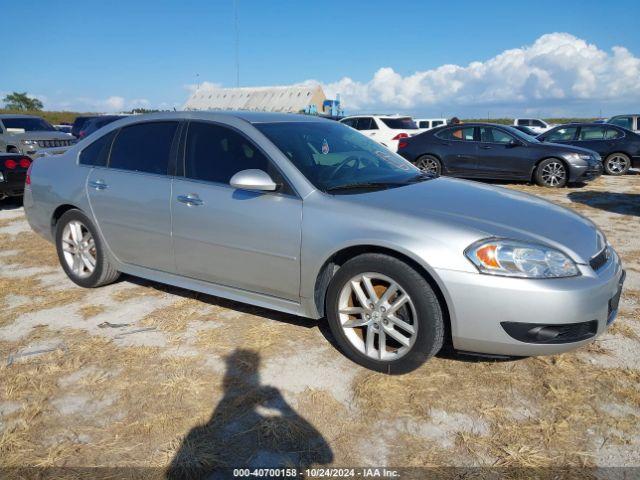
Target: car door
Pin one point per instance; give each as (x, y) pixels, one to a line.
(593, 138)
(130, 197)
(458, 150)
(502, 155)
(231, 237)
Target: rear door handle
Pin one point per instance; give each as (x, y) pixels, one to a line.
(485, 147)
(98, 184)
(191, 199)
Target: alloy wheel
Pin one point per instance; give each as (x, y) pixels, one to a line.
(79, 249)
(428, 165)
(617, 164)
(553, 174)
(377, 316)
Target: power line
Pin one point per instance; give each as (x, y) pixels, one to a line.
(235, 13)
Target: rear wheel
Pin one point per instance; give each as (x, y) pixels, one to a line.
(617, 164)
(551, 173)
(81, 252)
(383, 314)
(429, 164)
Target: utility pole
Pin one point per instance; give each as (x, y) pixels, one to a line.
(235, 13)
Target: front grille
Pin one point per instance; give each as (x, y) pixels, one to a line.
(54, 143)
(600, 259)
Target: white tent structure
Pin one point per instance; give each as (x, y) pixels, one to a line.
(292, 99)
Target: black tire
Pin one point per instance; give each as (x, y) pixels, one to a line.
(430, 332)
(545, 177)
(429, 164)
(104, 272)
(617, 164)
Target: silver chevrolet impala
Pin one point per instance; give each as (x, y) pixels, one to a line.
(308, 216)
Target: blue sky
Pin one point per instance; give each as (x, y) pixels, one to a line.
(104, 55)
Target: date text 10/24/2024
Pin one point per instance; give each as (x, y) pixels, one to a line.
(317, 473)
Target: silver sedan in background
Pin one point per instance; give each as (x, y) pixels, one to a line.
(308, 216)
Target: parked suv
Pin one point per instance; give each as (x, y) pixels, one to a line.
(619, 147)
(26, 134)
(535, 124)
(630, 122)
(501, 152)
(384, 129)
(425, 124)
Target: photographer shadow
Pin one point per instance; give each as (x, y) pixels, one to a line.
(252, 427)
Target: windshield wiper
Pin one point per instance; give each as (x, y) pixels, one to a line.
(364, 185)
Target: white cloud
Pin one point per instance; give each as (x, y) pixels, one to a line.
(557, 73)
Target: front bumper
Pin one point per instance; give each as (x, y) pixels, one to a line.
(586, 173)
(480, 304)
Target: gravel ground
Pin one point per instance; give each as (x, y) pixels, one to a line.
(140, 374)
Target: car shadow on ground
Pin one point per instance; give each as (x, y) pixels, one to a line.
(252, 426)
(322, 325)
(621, 203)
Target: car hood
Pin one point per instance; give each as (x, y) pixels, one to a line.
(569, 148)
(489, 211)
(41, 135)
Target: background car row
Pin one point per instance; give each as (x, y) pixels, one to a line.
(530, 150)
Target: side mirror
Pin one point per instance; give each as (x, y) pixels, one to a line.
(514, 143)
(253, 179)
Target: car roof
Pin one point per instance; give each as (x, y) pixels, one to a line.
(627, 115)
(16, 115)
(248, 116)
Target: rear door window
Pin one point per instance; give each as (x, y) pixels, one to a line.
(592, 133)
(96, 153)
(366, 123)
(565, 134)
(522, 122)
(350, 122)
(459, 133)
(536, 123)
(144, 147)
(400, 123)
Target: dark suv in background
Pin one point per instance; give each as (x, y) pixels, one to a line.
(619, 147)
(488, 151)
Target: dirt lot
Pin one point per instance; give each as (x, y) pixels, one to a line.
(195, 380)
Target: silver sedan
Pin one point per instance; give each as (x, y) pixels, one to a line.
(307, 216)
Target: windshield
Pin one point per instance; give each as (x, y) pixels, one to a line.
(28, 124)
(333, 156)
(521, 135)
(400, 123)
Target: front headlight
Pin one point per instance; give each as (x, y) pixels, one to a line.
(518, 259)
(574, 157)
(29, 142)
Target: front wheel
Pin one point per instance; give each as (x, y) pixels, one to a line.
(429, 164)
(551, 173)
(383, 314)
(81, 252)
(617, 164)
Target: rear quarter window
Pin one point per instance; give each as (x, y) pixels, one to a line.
(143, 147)
(96, 153)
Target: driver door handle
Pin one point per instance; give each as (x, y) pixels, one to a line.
(98, 184)
(485, 147)
(192, 200)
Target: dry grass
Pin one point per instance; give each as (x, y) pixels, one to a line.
(143, 406)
